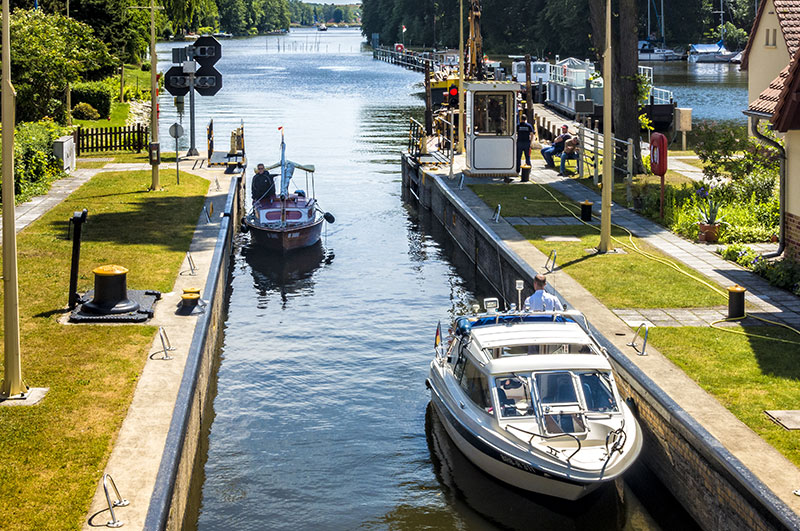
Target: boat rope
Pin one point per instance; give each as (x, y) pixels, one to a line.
(547, 437)
(620, 438)
(635, 248)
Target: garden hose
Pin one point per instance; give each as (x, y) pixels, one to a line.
(569, 208)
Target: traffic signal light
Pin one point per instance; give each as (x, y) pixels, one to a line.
(452, 96)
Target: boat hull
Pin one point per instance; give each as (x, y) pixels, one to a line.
(504, 466)
(286, 238)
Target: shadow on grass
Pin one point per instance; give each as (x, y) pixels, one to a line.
(775, 358)
(154, 220)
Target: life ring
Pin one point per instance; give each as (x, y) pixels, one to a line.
(399, 47)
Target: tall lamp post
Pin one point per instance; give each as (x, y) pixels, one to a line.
(608, 142)
(461, 77)
(69, 90)
(13, 386)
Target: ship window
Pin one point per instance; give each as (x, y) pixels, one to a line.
(491, 114)
(513, 396)
(556, 388)
(554, 348)
(597, 391)
(458, 370)
(476, 385)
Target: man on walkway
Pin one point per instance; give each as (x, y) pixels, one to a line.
(524, 138)
(557, 147)
(542, 301)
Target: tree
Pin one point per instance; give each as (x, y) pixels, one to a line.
(625, 62)
(47, 52)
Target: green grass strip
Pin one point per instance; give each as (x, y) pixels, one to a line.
(511, 197)
(620, 280)
(747, 375)
(52, 455)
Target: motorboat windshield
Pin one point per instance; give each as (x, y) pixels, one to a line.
(539, 348)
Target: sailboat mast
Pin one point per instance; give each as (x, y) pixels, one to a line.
(663, 34)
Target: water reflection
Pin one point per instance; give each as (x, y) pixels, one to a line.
(286, 273)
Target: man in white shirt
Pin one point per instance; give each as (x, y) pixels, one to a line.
(541, 301)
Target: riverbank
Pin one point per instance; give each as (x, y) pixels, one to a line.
(723, 473)
(91, 370)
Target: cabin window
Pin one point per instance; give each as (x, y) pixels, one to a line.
(597, 392)
(513, 396)
(476, 385)
(458, 370)
(491, 114)
(556, 388)
(550, 348)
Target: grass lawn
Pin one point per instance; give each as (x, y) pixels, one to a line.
(52, 455)
(512, 198)
(119, 114)
(129, 156)
(621, 280)
(136, 77)
(747, 375)
(619, 194)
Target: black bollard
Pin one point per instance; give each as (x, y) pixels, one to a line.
(110, 292)
(586, 211)
(736, 301)
(77, 219)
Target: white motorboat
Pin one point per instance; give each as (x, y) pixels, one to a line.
(530, 398)
(710, 53)
(649, 51)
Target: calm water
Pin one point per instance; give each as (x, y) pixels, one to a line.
(321, 412)
(714, 91)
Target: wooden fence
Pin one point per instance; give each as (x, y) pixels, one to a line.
(131, 138)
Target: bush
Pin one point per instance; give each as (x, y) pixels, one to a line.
(783, 273)
(84, 111)
(98, 94)
(146, 67)
(739, 253)
(35, 166)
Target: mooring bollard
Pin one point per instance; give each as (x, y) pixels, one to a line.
(586, 210)
(736, 301)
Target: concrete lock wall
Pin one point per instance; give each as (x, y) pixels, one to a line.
(178, 471)
(713, 486)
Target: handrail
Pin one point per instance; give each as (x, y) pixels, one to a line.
(496, 215)
(552, 254)
(166, 344)
(636, 334)
(119, 502)
(547, 437)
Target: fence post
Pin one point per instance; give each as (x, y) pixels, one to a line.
(76, 136)
(596, 144)
(581, 150)
(629, 180)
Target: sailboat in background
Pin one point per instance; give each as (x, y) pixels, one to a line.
(713, 53)
(652, 49)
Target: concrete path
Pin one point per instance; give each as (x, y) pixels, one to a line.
(773, 469)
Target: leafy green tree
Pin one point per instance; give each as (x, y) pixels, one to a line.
(47, 52)
(338, 15)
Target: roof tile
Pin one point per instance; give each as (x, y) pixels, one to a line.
(767, 101)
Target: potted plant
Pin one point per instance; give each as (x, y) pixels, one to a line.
(708, 215)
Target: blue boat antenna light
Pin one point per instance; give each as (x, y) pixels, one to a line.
(491, 304)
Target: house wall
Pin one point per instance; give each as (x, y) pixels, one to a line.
(793, 193)
(765, 62)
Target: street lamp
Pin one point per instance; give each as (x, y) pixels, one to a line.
(13, 386)
(608, 142)
(461, 77)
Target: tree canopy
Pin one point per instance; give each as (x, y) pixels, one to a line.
(47, 52)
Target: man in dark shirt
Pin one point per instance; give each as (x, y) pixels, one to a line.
(558, 146)
(263, 184)
(524, 137)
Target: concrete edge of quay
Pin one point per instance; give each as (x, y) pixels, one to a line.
(713, 484)
(153, 461)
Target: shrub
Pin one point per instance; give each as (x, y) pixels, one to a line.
(35, 166)
(98, 94)
(146, 67)
(759, 184)
(84, 111)
(783, 273)
(739, 253)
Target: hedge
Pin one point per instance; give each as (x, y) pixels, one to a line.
(35, 165)
(98, 94)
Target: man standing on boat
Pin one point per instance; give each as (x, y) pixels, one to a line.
(542, 301)
(263, 185)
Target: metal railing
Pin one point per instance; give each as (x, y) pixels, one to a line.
(591, 156)
(404, 58)
(119, 502)
(643, 352)
(416, 131)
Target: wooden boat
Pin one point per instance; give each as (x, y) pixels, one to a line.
(289, 220)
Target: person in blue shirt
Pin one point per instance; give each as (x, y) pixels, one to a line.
(557, 147)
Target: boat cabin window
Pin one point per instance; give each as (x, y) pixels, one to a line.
(476, 385)
(491, 114)
(458, 370)
(598, 392)
(550, 348)
(513, 396)
(556, 388)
